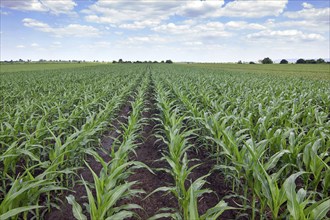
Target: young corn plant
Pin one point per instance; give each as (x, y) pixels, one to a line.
(299, 205)
(111, 184)
(176, 138)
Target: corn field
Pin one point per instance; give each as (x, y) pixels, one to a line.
(222, 144)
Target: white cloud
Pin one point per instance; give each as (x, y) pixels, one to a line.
(20, 46)
(286, 35)
(239, 25)
(124, 12)
(139, 24)
(310, 13)
(140, 14)
(149, 39)
(34, 45)
(253, 8)
(309, 25)
(200, 8)
(307, 5)
(74, 30)
(194, 34)
(216, 29)
(52, 6)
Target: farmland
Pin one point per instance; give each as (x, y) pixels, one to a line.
(197, 141)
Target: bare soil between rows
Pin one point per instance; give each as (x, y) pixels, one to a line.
(149, 151)
(78, 191)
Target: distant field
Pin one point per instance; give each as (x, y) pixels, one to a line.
(41, 66)
(311, 71)
(314, 71)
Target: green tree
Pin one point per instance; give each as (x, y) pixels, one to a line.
(283, 61)
(300, 61)
(311, 61)
(320, 60)
(267, 60)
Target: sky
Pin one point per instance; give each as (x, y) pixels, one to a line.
(196, 31)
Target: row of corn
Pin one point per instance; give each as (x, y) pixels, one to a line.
(265, 137)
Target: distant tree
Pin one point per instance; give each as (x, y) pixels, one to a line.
(267, 60)
(162, 61)
(311, 61)
(283, 61)
(252, 62)
(239, 62)
(168, 61)
(300, 61)
(120, 61)
(320, 60)
(155, 61)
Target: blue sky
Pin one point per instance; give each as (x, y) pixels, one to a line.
(207, 31)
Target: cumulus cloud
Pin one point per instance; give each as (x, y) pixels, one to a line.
(307, 5)
(200, 8)
(55, 7)
(310, 13)
(148, 39)
(121, 12)
(20, 46)
(253, 8)
(239, 25)
(74, 30)
(286, 35)
(214, 29)
(145, 13)
(306, 25)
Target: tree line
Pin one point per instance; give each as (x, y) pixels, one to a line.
(138, 61)
(267, 60)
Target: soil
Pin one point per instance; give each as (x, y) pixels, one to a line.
(215, 182)
(149, 152)
(78, 191)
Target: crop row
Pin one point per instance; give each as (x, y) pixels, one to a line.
(49, 121)
(264, 134)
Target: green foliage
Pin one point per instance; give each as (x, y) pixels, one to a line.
(267, 60)
(265, 126)
(260, 129)
(283, 61)
(300, 61)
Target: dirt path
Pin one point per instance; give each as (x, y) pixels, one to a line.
(149, 152)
